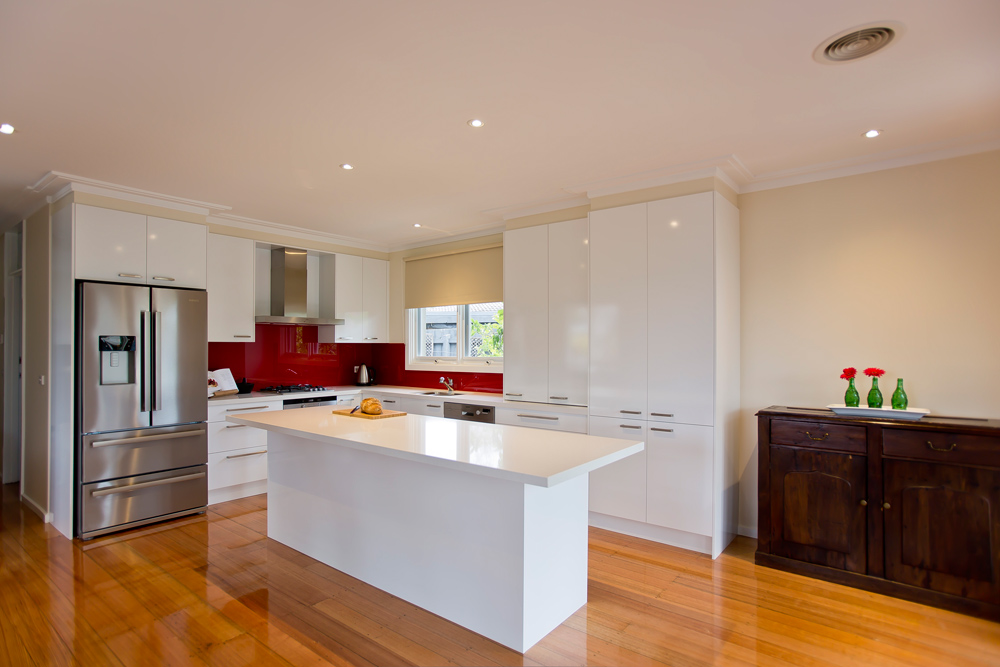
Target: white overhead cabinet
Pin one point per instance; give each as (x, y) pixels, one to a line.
(120, 246)
(230, 289)
(664, 334)
(547, 313)
(361, 299)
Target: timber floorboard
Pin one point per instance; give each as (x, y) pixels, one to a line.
(214, 590)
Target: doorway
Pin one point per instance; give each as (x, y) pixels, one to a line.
(10, 342)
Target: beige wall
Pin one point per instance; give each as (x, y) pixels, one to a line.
(898, 269)
(35, 481)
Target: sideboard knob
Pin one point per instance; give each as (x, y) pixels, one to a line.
(864, 503)
(886, 506)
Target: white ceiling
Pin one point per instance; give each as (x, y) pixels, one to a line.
(254, 105)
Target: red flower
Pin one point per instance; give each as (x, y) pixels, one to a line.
(874, 372)
(849, 373)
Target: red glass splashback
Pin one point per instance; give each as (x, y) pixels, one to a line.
(289, 354)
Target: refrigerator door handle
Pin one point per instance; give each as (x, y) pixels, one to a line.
(145, 347)
(157, 367)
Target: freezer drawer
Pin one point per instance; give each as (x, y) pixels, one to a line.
(130, 453)
(143, 499)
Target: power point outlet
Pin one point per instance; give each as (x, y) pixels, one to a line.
(356, 369)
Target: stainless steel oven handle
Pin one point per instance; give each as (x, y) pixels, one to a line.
(145, 438)
(145, 485)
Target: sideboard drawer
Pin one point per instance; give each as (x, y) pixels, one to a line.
(819, 435)
(926, 445)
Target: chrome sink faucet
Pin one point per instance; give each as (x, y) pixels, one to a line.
(449, 384)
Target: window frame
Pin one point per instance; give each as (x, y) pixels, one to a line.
(460, 363)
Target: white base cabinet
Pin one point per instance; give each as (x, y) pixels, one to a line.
(237, 454)
(619, 489)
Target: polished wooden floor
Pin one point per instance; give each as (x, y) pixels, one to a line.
(213, 590)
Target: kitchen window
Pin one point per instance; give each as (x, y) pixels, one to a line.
(456, 338)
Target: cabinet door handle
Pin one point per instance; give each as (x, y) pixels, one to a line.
(345, 338)
(242, 336)
(630, 412)
(510, 393)
(864, 503)
(371, 338)
(659, 414)
(129, 275)
(239, 456)
(433, 406)
(662, 430)
(938, 449)
(386, 400)
(819, 439)
(627, 426)
(166, 278)
(237, 426)
(559, 398)
(554, 419)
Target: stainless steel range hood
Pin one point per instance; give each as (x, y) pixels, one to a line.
(289, 287)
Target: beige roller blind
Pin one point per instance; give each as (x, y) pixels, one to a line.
(474, 275)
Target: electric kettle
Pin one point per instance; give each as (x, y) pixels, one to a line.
(365, 377)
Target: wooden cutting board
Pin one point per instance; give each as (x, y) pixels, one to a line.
(385, 414)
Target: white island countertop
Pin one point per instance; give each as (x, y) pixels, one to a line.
(525, 455)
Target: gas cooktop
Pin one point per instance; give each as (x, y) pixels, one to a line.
(292, 388)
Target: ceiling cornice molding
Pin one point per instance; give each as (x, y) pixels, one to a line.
(438, 240)
(62, 184)
(729, 166)
(264, 226)
(902, 157)
(522, 210)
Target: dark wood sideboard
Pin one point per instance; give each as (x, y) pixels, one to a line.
(904, 508)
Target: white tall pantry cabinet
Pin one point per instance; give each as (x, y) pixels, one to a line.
(664, 364)
(546, 313)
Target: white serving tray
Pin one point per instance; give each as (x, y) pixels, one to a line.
(911, 414)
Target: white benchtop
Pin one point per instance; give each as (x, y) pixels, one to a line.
(525, 455)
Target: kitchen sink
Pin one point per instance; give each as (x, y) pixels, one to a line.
(440, 393)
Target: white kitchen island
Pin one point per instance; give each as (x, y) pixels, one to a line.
(482, 524)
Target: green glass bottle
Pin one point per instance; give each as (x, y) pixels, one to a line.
(852, 398)
(899, 399)
(874, 395)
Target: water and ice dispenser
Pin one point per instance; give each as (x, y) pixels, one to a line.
(117, 359)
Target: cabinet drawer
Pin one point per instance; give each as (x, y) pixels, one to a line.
(943, 447)
(218, 413)
(225, 437)
(236, 467)
(819, 435)
(553, 421)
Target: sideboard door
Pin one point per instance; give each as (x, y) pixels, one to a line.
(942, 528)
(817, 515)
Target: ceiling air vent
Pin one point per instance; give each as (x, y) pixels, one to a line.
(857, 43)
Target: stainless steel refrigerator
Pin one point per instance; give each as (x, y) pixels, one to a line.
(141, 408)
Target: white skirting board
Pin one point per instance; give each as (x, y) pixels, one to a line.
(648, 531)
(501, 558)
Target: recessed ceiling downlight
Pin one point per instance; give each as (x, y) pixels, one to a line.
(871, 134)
(857, 43)
(7, 128)
(475, 122)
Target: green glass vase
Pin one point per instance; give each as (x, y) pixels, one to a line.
(852, 398)
(875, 395)
(899, 399)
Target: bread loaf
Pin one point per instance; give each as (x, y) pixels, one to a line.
(371, 406)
